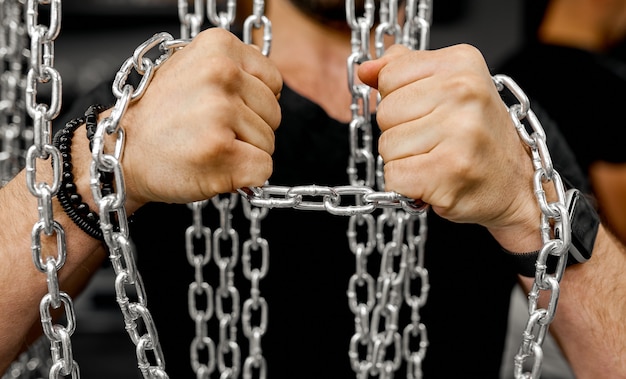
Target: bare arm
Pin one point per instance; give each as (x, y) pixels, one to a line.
(589, 324)
(23, 285)
(204, 126)
(448, 140)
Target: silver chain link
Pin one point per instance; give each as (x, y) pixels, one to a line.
(555, 232)
(113, 217)
(377, 330)
(228, 345)
(402, 256)
(41, 72)
(198, 232)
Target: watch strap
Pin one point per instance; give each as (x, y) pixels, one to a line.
(584, 223)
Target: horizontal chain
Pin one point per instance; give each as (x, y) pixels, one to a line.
(330, 199)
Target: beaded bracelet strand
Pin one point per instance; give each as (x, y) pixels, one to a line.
(72, 203)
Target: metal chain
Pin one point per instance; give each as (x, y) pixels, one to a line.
(227, 345)
(258, 20)
(198, 232)
(377, 332)
(15, 137)
(256, 303)
(190, 23)
(376, 319)
(226, 264)
(555, 232)
(222, 19)
(42, 71)
(255, 362)
(113, 217)
(199, 287)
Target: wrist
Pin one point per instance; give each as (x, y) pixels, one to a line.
(583, 224)
(522, 232)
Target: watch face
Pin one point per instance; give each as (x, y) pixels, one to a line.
(584, 222)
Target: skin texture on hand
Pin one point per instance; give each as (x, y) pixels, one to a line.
(448, 140)
(205, 124)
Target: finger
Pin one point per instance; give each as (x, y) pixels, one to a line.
(369, 71)
(412, 102)
(261, 99)
(407, 139)
(238, 119)
(426, 178)
(264, 69)
(216, 41)
(408, 177)
(250, 167)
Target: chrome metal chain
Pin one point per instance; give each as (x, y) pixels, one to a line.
(113, 217)
(228, 345)
(258, 20)
(227, 318)
(222, 19)
(198, 232)
(555, 232)
(15, 136)
(42, 72)
(377, 330)
(190, 22)
(256, 244)
(416, 31)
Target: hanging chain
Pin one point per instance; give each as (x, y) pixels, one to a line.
(202, 341)
(15, 137)
(226, 291)
(113, 217)
(258, 20)
(42, 71)
(190, 23)
(222, 19)
(555, 232)
(377, 331)
(256, 303)
(376, 319)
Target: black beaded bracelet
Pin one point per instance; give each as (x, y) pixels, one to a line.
(72, 203)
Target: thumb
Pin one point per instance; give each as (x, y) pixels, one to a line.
(368, 71)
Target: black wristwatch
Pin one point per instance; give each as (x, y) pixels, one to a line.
(584, 222)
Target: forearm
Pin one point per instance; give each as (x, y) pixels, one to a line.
(22, 284)
(589, 323)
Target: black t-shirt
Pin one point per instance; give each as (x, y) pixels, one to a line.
(583, 92)
(310, 323)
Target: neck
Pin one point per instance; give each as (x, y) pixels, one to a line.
(312, 57)
(581, 24)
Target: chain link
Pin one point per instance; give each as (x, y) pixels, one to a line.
(222, 19)
(402, 277)
(555, 232)
(227, 291)
(377, 331)
(113, 217)
(256, 244)
(41, 71)
(198, 232)
(190, 22)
